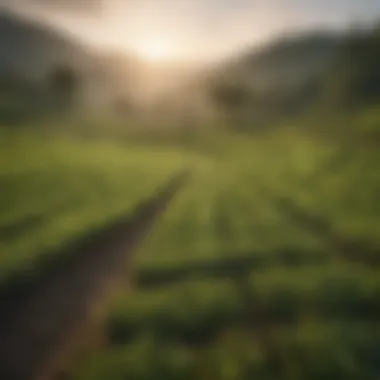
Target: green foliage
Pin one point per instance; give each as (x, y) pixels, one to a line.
(20, 99)
(324, 311)
(326, 76)
(64, 83)
(283, 79)
(354, 80)
(231, 96)
(55, 188)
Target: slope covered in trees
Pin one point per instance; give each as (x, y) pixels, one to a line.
(33, 55)
(296, 75)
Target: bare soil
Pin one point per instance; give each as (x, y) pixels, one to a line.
(44, 323)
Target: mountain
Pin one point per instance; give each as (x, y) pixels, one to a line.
(285, 62)
(267, 82)
(31, 50)
(276, 80)
(354, 79)
(109, 80)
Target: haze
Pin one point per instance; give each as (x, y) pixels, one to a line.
(196, 30)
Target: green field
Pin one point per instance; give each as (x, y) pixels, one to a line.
(56, 188)
(193, 321)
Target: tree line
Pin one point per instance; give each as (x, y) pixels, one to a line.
(349, 82)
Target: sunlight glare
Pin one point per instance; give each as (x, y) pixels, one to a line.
(155, 50)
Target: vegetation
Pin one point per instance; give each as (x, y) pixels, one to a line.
(54, 188)
(267, 264)
(318, 72)
(196, 322)
(354, 78)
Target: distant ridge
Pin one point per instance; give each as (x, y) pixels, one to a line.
(30, 49)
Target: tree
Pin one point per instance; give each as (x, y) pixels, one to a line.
(355, 78)
(64, 85)
(231, 96)
(232, 99)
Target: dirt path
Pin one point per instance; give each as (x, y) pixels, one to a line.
(40, 328)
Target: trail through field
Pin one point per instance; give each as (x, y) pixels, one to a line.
(42, 326)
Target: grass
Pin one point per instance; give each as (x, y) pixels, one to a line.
(192, 322)
(324, 310)
(54, 189)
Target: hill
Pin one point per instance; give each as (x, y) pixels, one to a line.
(30, 52)
(276, 80)
(290, 61)
(292, 76)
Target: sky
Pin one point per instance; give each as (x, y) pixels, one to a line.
(192, 29)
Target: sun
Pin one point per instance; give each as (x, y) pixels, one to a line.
(155, 50)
